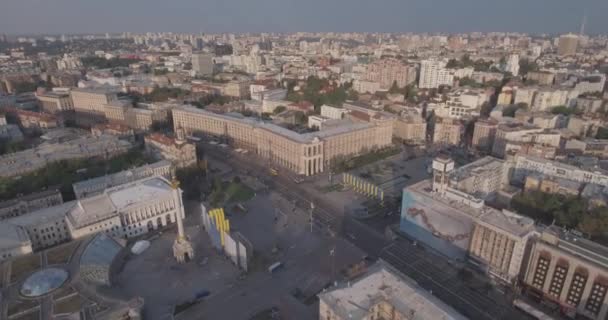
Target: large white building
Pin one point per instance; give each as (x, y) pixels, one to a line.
(383, 293)
(124, 211)
(524, 165)
(434, 74)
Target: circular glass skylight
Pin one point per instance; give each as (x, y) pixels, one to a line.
(43, 281)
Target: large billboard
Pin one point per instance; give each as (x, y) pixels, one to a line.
(436, 224)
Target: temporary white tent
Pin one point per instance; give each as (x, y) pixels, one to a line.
(140, 246)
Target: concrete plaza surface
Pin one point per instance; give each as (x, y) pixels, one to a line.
(278, 231)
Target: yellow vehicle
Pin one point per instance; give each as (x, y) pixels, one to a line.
(274, 172)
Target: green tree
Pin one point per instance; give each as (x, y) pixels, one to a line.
(394, 88)
(525, 66)
(279, 109)
(563, 110)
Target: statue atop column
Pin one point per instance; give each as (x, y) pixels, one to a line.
(182, 248)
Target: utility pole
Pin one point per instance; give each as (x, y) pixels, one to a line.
(332, 254)
(312, 208)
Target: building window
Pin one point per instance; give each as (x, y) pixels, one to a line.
(557, 282)
(542, 266)
(579, 280)
(596, 298)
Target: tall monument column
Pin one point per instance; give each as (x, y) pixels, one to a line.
(182, 248)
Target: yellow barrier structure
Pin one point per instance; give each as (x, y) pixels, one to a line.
(362, 186)
(221, 223)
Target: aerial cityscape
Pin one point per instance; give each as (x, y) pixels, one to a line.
(250, 175)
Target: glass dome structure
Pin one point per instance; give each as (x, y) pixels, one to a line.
(43, 281)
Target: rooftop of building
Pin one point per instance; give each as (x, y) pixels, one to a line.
(98, 90)
(30, 197)
(164, 139)
(480, 167)
(113, 179)
(509, 222)
(118, 199)
(54, 94)
(112, 126)
(561, 165)
(292, 135)
(45, 215)
(12, 236)
(382, 283)
(576, 244)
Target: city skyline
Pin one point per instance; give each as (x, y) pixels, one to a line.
(540, 16)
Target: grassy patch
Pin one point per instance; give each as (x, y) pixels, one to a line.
(18, 306)
(34, 315)
(227, 192)
(61, 254)
(63, 292)
(341, 164)
(69, 305)
(238, 192)
(24, 265)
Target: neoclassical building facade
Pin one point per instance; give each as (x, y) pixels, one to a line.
(306, 154)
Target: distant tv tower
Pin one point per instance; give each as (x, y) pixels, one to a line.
(583, 23)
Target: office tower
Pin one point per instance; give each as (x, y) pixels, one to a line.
(567, 45)
(202, 63)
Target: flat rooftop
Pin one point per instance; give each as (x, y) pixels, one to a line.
(292, 135)
(480, 167)
(584, 248)
(382, 283)
(510, 222)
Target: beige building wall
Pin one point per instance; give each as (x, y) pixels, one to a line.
(483, 134)
(577, 284)
(89, 101)
(115, 113)
(56, 103)
(447, 132)
(302, 154)
(500, 252)
(410, 131)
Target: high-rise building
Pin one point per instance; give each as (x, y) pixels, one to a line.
(447, 131)
(567, 45)
(512, 65)
(389, 71)
(483, 134)
(433, 74)
(202, 64)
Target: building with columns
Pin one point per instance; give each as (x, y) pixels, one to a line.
(570, 271)
(124, 211)
(306, 154)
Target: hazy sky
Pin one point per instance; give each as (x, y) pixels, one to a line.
(87, 16)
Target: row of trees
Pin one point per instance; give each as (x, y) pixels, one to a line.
(103, 63)
(312, 92)
(478, 65)
(63, 174)
(567, 211)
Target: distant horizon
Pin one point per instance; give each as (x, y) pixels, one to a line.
(537, 17)
(115, 33)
